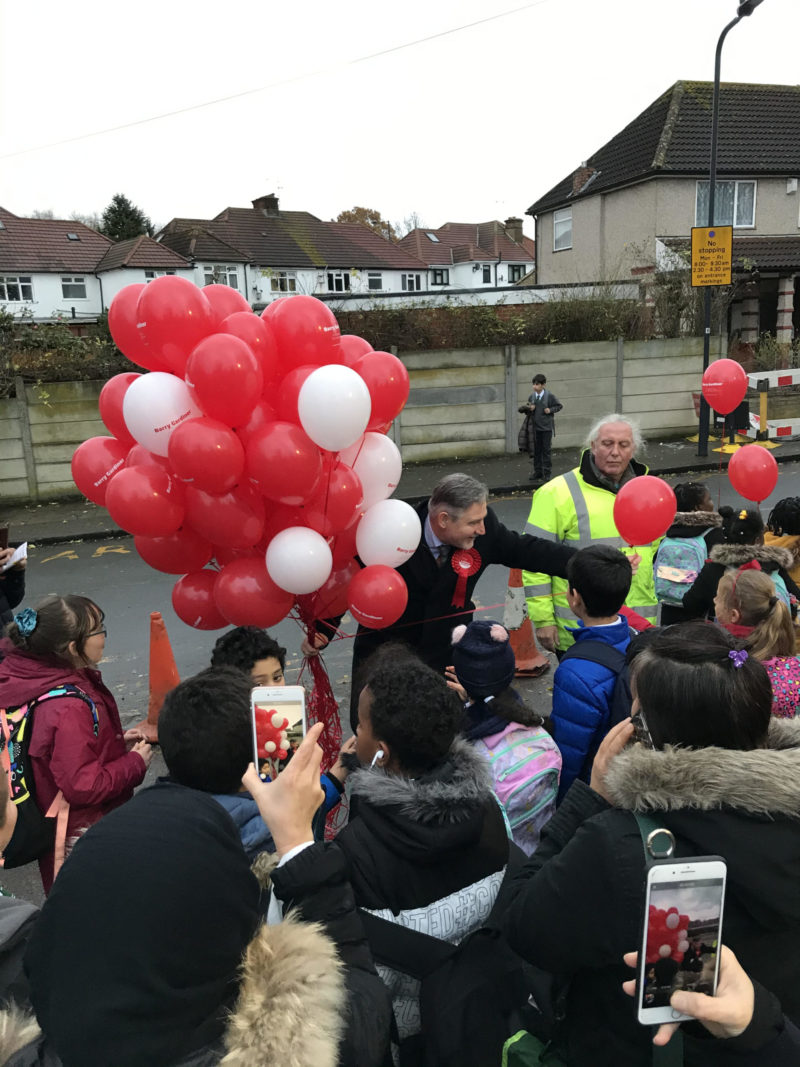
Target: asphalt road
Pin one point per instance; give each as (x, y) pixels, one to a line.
(112, 574)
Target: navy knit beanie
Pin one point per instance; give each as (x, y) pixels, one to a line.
(483, 658)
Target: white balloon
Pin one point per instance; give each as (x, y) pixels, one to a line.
(154, 405)
(299, 560)
(683, 946)
(672, 920)
(377, 462)
(389, 533)
(334, 406)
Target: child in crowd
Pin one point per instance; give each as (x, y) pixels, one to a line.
(749, 608)
(599, 580)
(783, 531)
(77, 746)
(251, 649)
(523, 757)
(744, 535)
(697, 528)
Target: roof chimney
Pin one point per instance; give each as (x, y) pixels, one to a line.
(513, 228)
(267, 205)
(580, 177)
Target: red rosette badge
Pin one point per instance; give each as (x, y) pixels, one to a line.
(465, 562)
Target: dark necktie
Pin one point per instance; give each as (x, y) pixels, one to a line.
(443, 555)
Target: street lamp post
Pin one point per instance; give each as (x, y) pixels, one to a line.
(746, 7)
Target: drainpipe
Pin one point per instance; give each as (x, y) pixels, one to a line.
(102, 299)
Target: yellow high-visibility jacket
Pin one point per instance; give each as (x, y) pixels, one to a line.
(573, 510)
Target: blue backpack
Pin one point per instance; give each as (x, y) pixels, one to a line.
(678, 562)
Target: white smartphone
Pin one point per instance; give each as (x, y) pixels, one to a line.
(682, 934)
(278, 722)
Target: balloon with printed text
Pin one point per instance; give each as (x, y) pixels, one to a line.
(94, 463)
(377, 597)
(153, 406)
(305, 330)
(724, 385)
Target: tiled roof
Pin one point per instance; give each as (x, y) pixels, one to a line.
(467, 242)
(759, 133)
(780, 253)
(287, 239)
(195, 242)
(141, 251)
(43, 245)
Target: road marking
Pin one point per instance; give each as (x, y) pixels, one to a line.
(103, 549)
(71, 554)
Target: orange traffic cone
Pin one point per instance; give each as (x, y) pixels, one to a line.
(530, 661)
(163, 675)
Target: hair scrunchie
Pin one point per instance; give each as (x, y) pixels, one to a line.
(26, 621)
(738, 657)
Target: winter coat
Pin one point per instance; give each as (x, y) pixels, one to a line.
(705, 524)
(575, 509)
(577, 905)
(790, 542)
(428, 853)
(582, 692)
(12, 591)
(253, 832)
(427, 623)
(95, 774)
(699, 600)
(214, 985)
(784, 677)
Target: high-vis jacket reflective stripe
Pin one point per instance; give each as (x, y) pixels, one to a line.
(570, 510)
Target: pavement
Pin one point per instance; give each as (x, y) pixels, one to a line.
(75, 518)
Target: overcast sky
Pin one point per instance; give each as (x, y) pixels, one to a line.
(470, 125)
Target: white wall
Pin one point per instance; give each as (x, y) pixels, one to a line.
(48, 301)
(114, 280)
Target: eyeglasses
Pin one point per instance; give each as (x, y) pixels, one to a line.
(99, 633)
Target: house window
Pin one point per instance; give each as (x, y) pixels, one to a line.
(410, 283)
(441, 276)
(220, 274)
(562, 229)
(432, 237)
(374, 280)
(15, 287)
(338, 281)
(283, 281)
(516, 271)
(150, 274)
(487, 273)
(73, 288)
(734, 204)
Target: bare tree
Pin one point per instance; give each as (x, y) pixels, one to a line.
(93, 221)
(411, 222)
(46, 213)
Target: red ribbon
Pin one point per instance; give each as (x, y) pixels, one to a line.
(465, 562)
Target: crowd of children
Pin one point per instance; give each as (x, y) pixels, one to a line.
(468, 812)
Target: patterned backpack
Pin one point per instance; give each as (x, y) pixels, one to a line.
(678, 562)
(34, 834)
(526, 767)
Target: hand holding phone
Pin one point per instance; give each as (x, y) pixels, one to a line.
(278, 723)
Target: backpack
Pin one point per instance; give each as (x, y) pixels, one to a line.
(34, 834)
(678, 562)
(619, 707)
(525, 767)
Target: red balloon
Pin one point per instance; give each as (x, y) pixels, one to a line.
(343, 546)
(377, 597)
(145, 500)
(644, 509)
(247, 596)
(193, 601)
(262, 415)
(331, 598)
(174, 316)
(224, 378)
(281, 517)
(224, 554)
(95, 463)
(284, 463)
(224, 301)
(337, 501)
(234, 519)
(724, 385)
(256, 333)
(110, 403)
(139, 456)
(123, 325)
(176, 553)
(208, 454)
(388, 384)
(269, 310)
(353, 348)
(306, 331)
(753, 472)
(289, 391)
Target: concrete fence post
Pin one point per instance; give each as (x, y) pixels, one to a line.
(27, 441)
(510, 360)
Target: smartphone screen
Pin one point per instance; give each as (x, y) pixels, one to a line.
(682, 930)
(278, 724)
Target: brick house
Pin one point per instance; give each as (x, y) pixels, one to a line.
(466, 255)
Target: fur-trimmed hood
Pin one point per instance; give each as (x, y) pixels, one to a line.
(770, 557)
(454, 791)
(702, 519)
(764, 781)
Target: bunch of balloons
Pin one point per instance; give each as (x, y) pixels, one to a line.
(667, 934)
(252, 460)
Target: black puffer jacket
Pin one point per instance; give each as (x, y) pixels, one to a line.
(576, 906)
(699, 600)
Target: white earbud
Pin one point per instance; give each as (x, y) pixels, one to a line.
(378, 755)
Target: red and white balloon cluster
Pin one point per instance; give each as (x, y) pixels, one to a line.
(667, 934)
(252, 459)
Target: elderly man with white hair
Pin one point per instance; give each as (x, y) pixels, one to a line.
(577, 509)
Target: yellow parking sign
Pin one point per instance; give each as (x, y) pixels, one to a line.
(712, 252)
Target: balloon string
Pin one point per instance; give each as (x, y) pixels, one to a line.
(342, 635)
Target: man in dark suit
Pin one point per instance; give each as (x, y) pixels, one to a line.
(461, 536)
